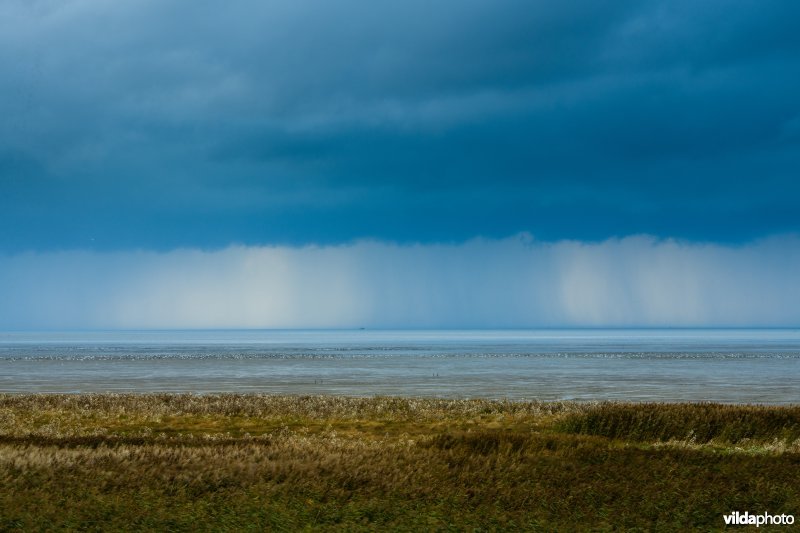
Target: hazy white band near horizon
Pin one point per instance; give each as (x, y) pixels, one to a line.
(513, 282)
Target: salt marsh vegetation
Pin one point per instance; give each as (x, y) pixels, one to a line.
(255, 462)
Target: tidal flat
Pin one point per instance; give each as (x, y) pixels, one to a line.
(241, 462)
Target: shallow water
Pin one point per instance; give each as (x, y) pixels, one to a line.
(730, 365)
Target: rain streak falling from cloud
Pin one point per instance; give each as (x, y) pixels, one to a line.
(515, 282)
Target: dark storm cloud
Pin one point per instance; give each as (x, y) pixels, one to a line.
(172, 123)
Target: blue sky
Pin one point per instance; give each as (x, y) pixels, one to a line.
(161, 127)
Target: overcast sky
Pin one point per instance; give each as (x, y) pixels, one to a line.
(134, 130)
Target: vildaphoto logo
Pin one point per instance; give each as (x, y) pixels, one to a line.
(765, 519)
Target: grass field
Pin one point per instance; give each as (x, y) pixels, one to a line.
(250, 462)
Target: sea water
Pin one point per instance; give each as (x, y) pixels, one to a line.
(725, 365)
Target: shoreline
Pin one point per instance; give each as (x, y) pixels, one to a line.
(361, 397)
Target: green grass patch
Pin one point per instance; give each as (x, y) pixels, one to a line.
(701, 423)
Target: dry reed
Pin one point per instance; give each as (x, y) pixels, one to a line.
(240, 462)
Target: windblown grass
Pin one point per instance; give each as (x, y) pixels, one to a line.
(700, 423)
(250, 462)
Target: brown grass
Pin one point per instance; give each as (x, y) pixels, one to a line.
(241, 462)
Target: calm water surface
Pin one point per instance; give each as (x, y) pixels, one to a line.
(640, 365)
